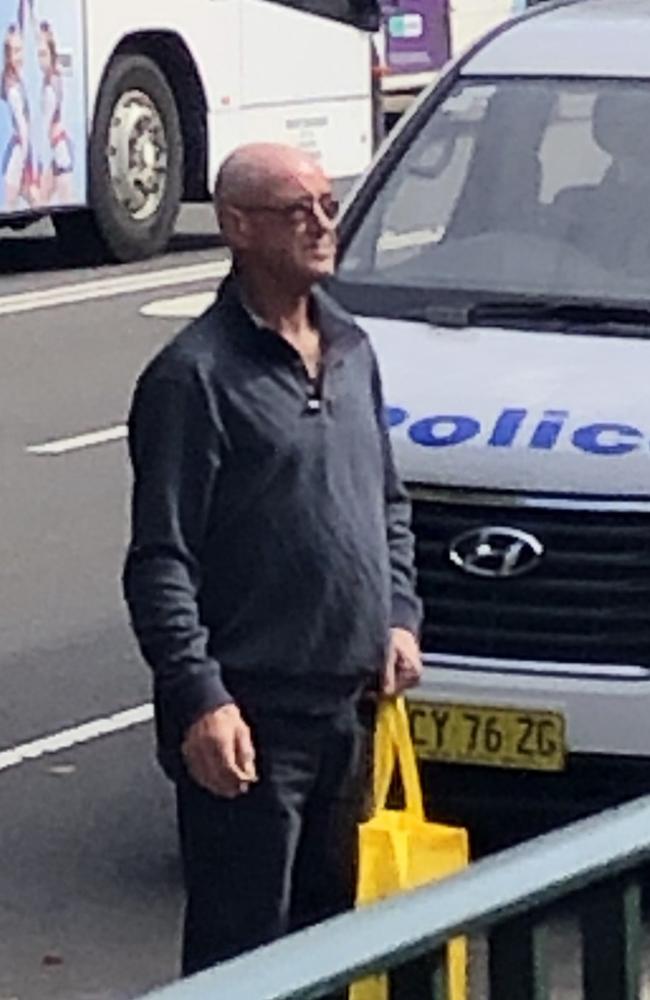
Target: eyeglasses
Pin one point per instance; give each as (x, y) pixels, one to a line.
(302, 211)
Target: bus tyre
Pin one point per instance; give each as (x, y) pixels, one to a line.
(135, 165)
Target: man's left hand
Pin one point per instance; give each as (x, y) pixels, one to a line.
(404, 664)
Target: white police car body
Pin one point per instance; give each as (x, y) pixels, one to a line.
(498, 253)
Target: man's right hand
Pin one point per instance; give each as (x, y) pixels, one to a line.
(219, 753)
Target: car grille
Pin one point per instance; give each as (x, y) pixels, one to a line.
(587, 600)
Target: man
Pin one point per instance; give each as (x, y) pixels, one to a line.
(270, 574)
(609, 221)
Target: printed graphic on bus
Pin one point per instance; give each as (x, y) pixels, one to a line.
(416, 35)
(42, 134)
(420, 36)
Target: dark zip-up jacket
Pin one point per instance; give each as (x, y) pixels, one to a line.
(271, 546)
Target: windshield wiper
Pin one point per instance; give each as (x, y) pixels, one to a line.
(590, 314)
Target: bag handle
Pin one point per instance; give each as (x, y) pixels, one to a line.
(394, 747)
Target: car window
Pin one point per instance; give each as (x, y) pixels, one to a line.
(414, 218)
(522, 186)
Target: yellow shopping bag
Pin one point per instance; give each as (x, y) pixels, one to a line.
(401, 850)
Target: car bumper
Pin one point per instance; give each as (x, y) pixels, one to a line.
(606, 708)
(608, 760)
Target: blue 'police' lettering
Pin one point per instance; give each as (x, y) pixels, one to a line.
(506, 428)
(447, 430)
(395, 415)
(458, 430)
(548, 430)
(589, 439)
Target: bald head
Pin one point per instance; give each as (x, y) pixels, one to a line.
(256, 172)
(277, 214)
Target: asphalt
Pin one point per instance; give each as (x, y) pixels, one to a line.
(32, 254)
(89, 882)
(90, 889)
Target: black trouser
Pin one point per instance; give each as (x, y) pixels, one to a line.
(284, 855)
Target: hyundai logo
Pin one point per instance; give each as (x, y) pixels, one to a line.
(495, 552)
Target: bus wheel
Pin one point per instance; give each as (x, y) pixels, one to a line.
(135, 164)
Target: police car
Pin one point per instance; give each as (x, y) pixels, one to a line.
(498, 254)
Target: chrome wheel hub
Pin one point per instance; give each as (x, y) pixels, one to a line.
(137, 155)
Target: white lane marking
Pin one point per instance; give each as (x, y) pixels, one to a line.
(90, 440)
(104, 288)
(67, 738)
(180, 306)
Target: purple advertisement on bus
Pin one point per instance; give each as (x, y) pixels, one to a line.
(415, 35)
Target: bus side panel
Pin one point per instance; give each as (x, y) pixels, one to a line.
(210, 30)
(288, 55)
(306, 81)
(471, 18)
(42, 106)
(267, 72)
(337, 133)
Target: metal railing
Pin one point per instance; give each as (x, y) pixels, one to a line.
(596, 865)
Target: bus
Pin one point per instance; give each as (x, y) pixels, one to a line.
(417, 38)
(112, 114)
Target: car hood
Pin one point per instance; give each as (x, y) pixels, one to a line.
(517, 410)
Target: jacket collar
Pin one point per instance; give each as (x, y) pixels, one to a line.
(338, 330)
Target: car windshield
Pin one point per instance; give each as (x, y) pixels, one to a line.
(519, 187)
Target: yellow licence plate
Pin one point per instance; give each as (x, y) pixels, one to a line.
(525, 738)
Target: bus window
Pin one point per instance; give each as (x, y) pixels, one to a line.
(472, 18)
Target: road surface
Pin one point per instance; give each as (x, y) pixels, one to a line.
(89, 881)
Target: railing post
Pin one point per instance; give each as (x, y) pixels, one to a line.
(420, 979)
(517, 961)
(611, 940)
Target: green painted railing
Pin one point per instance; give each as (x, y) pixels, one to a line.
(594, 868)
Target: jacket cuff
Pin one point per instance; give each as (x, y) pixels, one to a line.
(406, 614)
(200, 693)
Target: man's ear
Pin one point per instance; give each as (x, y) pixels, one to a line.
(235, 227)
